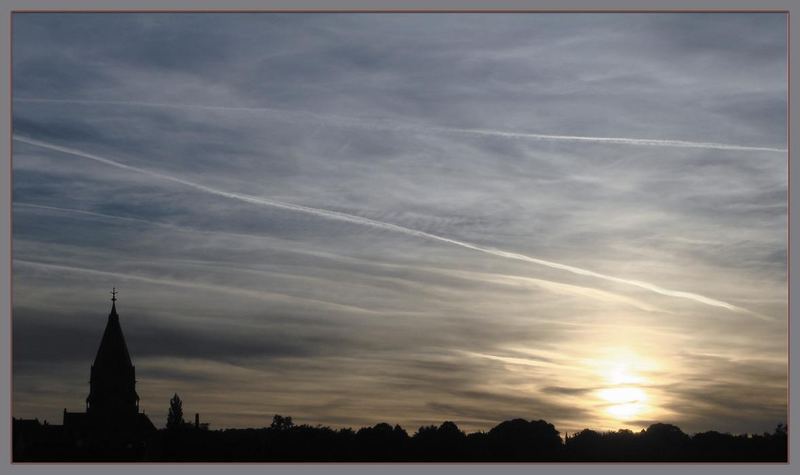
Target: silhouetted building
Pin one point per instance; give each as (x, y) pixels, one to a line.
(112, 416)
(112, 387)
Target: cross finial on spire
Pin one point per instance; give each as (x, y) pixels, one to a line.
(114, 293)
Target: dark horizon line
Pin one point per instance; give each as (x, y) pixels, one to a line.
(516, 440)
(290, 419)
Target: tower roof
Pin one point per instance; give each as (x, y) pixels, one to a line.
(113, 351)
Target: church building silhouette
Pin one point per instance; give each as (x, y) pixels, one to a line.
(112, 414)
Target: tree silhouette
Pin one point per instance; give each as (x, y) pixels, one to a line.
(664, 442)
(519, 439)
(381, 442)
(175, 416)
(516, 440)
(446, 442)
(281, 423)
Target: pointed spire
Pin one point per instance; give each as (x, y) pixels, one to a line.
(112, 346)
(112, 385)
(114, 293)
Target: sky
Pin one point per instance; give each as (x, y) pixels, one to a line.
(406, 218)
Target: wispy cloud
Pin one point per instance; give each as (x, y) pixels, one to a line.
(336, 215)
(256, 294)
(501, 279)
(393, 125)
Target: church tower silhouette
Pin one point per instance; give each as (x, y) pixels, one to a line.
(112, 408)
(112, 385)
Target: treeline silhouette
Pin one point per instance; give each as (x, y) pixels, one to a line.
(516, 440)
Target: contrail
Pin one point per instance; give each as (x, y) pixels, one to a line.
(621, 140)
(552, 286)
(391, 125)
(339, 216)
(91, 213)
(160, 224)
(549, 285)
(260, 294)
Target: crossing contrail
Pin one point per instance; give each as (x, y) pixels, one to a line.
(510, 280)
(350, 218)
(393, 125)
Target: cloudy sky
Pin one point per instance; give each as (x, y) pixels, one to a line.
(410, 218)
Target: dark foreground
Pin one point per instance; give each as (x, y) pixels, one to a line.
(517, 440)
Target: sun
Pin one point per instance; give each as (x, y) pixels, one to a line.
(625, 402)
(622, 392)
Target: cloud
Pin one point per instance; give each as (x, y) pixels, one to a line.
(379, 136)
(336, 215)
(388, 125)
